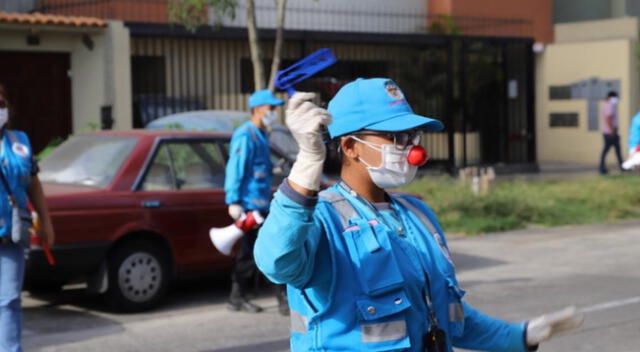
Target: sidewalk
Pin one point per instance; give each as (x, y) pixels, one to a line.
(562, 171)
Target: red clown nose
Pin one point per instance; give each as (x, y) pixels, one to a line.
(418, 156)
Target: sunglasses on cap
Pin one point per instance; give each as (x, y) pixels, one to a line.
(400, 139)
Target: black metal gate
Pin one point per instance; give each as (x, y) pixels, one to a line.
(480, 87)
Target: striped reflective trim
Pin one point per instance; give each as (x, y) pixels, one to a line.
(382, 332)
(428, 224)
(342, 206)
(260, 202)
(456, 312)
(298, 322)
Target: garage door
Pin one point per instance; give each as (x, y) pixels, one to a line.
(39, 90)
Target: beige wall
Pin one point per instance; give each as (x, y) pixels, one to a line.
(566, 63)
(99, 77)
(617, 28)
(118, 74)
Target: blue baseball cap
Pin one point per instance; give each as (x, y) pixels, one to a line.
(375, 104)
(263, 97)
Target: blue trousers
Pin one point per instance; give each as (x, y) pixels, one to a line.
(610, 141)
(11, 277)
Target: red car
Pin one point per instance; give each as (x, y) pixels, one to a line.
(132, 210)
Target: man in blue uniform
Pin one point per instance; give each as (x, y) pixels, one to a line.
(248, 187)
(633, 161)
(368, 270)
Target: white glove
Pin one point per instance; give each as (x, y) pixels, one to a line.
(304, 120)
(235, 211)
(544, 327)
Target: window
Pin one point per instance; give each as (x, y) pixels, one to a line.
(563, 119)
(185, 166)
(148, 75)
(87, 160)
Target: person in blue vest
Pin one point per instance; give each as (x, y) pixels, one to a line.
(633, 161)
(366, 269)
(19, 183)
(247, 187)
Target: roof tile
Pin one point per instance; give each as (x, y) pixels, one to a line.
(54, 20)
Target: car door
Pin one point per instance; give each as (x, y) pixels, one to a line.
(182, 193)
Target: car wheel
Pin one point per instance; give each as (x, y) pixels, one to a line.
(139, 274)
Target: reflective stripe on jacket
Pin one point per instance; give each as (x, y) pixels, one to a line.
(249, 174)
(355, 284)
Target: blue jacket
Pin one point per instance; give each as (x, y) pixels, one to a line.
(634, 132)
(249, 169)
(357, 276)
(17, 162)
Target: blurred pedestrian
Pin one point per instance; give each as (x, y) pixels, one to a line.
(368, 270)
(18, 183)
(248, 187)
(633, 161)
(609, 128)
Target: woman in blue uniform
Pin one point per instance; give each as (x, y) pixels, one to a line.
(368, 270)
(18, 182)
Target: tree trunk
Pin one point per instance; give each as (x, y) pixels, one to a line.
(254, 47)
(277, 48)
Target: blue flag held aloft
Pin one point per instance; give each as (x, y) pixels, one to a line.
(303, 69)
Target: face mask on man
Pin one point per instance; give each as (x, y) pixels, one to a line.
(394, 170)
(270, 118)
(4, 116)
(614, 100)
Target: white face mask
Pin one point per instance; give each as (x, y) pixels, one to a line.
(614, 101)
(270, 118)
(395, 170)
(4, 116)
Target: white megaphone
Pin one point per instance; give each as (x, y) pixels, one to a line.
(223, 238)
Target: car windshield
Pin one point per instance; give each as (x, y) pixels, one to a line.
(87, 160)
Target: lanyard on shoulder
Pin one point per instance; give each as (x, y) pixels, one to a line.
(362, 205)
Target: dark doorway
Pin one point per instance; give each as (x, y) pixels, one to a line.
(39, 91)
(495, 99)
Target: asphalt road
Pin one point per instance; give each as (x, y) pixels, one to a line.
(513, 276)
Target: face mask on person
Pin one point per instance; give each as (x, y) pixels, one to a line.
(394, 170)
(4, 116)
(614, 101)
(270, 118)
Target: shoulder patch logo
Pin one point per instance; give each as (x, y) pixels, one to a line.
(20, 149)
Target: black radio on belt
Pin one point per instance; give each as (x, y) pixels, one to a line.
(435, 340)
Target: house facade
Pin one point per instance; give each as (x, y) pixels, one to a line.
(594, 52)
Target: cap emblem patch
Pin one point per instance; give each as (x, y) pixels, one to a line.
(393, 90)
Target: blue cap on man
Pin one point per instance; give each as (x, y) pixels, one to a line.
(375, 104)
(263, 97)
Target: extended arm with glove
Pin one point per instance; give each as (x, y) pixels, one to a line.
(305, 121)
(546, 326)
